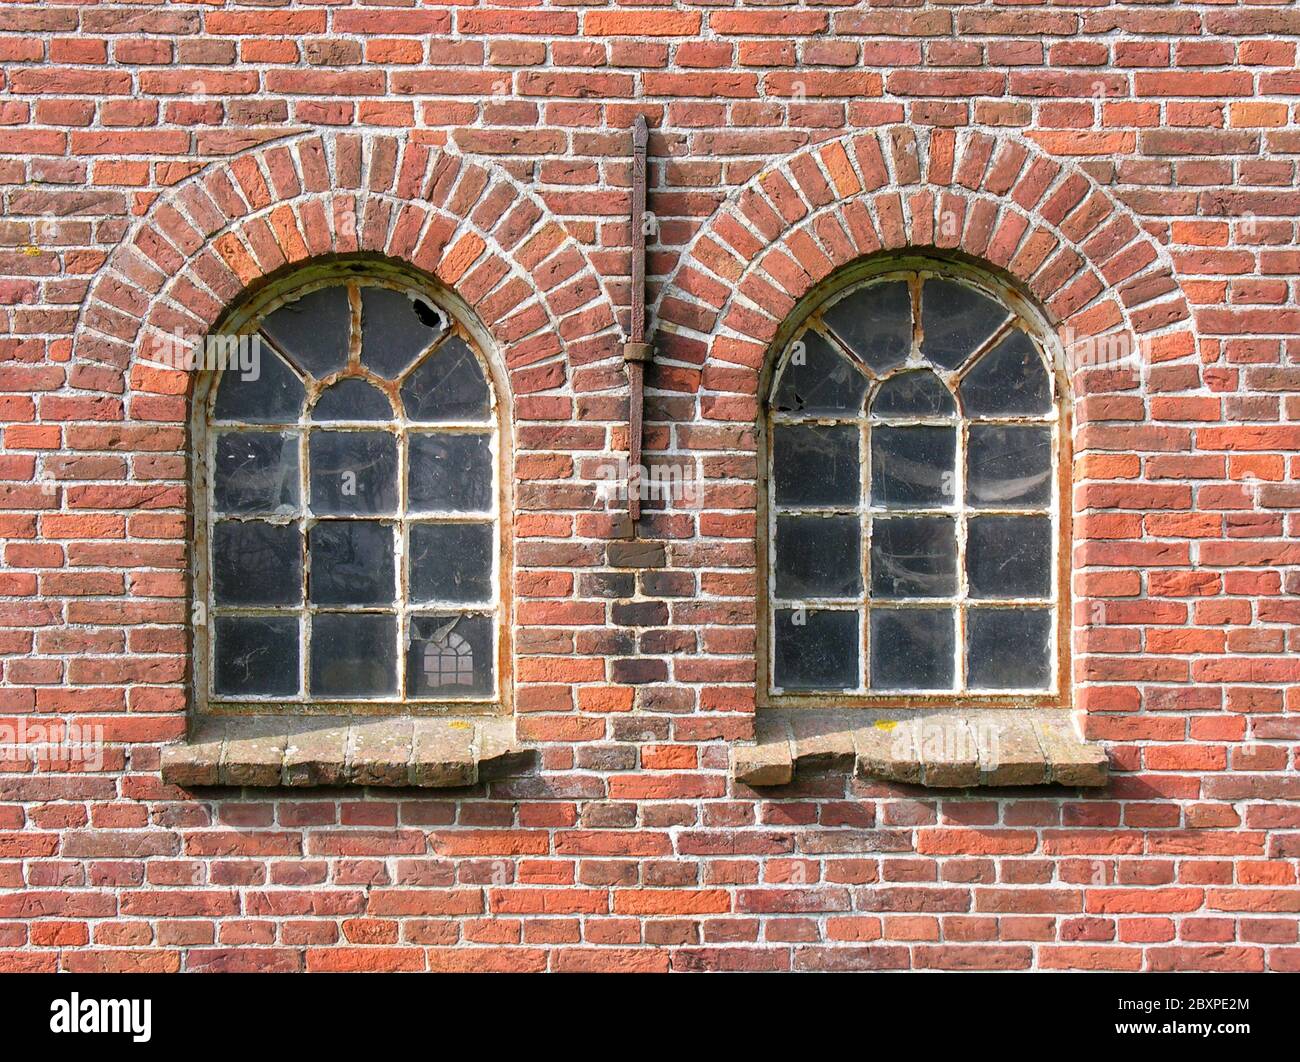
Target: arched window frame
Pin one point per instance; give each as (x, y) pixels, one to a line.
(241, 319)
(1023, 311)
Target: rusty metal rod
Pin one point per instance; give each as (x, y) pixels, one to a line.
(636, 351)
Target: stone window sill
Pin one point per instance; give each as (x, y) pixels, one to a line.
(331, 751)
(931, 747)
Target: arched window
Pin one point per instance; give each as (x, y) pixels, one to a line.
(346, 481)
(915, 441)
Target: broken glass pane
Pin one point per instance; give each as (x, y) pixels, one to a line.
(353, 472)
(956, 319)
(817, 378)
(449, 473)
(816, 650)
(1009, 648)
(876, 323)
(1009, 380)
(818, 556)
(1010, 466)
(351, 563)
(913, 394)
(912, 468)
(256, 472)
(912, 648)
(271, 393)
(449, 385)
(255, 655)
(395, 329)
(352, 399)
(1009, 556)
(256, 563)
(353, 654)
(450, 656)
(313, 330)
(451, 562)
(913, 556)
(816, 464)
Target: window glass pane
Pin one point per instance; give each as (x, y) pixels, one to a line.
(1009, 556)
(876, 323)
(913, 394)
(1010, 466)
(816, 464)
(451, 562)
(313, 330)
(395, 329)
(352, 399)
(956, 319)
(816, 650)
(353, 654)
(1009, 648)
(450, 473)
(270, 394)
(913, 556)
(912, 468)
(819, 379)
(912, 649)
(256, 563)
(450, 655)
(351, 563)
(353, 472)
(449, 385)
(1009, 380)
(255, 655)
(818, 556)
(256, 472)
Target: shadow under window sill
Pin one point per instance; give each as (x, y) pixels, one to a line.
(941, 748)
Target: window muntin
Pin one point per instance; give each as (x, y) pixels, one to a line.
(349, 502)
(913, 440)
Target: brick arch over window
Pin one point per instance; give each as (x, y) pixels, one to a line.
(994, 198)
(223, 230)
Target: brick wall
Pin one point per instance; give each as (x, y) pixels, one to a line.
(1133, 167)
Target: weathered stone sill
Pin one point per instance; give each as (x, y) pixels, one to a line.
(931, 747)
(277, 751)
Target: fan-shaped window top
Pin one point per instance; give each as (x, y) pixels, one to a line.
(913, 433)
(350, 484)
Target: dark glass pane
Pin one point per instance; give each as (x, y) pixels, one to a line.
(1009, 465)
(816, 650)
(817, 378)
(1009, 556)
(450, 473)
(876, 323)
(256, 563)
(956, 319)
(1009, 648)
(913, 556)
(313, 330)
(255, 655)
(351, 563)
(256, 472)
(912, 468)
(816, 464)
(352, 399)
(353, 655)
(395, 329)
(912, 649)
(913, 394)
(269, 394)
(451, 562)
(818, 556)
(353, 472)
(451, 656)
(1009, 380)
(449, 385)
